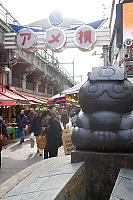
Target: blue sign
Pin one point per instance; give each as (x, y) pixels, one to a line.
(55, 18)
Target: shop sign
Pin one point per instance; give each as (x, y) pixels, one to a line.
(67, 142)
(85, 37)
(51, 87)
(55, 38)
(26, 39)
(38, 82)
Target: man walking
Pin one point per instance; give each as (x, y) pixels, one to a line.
(53, 133)
(22, 122)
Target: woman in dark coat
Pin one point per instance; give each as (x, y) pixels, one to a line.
(3, 131)
(53, 135)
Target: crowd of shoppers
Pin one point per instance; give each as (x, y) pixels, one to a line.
(46, 123)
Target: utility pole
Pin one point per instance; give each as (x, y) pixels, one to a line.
(105, 55)
(68, 63)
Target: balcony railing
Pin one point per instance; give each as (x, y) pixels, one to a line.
(16, 82)
(30, 86)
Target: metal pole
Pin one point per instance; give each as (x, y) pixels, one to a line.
(2, 80)
(81, 78)
(105, 55)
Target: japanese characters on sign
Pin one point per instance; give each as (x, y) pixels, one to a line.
(26, 39)
(55, 38)
(85, 37)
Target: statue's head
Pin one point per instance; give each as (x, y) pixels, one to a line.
(107, 89)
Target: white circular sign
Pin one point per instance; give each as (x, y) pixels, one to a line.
(26, 39)
(55, 18)
(85, 37)
(55, 38)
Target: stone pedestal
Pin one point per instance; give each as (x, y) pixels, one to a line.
(101, 171)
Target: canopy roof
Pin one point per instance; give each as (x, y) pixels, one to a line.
(74, 90)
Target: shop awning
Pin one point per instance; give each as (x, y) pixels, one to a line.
(74, 90)
(12, 96)
(8, 103)
(4, 98)
(33, 99)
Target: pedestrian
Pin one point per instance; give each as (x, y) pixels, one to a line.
(53, 133)
(31, 116)
(3, 131)
(36, 128)
(72, 116)
(22, 122)
(54, 112)
(64, 119)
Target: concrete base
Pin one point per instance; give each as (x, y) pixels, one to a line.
(101, 171)
(57, 179)
(123, 189)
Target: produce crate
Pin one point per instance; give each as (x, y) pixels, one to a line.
(11, 133)
(16, 133)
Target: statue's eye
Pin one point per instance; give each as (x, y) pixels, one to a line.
(92, 88)
(118, 88)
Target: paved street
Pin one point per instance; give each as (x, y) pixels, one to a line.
(18, 157)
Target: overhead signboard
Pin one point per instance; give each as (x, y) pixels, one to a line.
(84, 37)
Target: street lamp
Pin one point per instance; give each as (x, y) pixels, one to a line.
(4, 69)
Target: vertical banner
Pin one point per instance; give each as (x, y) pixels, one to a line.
(127, 21)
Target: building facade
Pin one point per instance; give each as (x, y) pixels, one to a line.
(121, 25)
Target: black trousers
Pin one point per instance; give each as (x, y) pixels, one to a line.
(50, 154)
(0, 158)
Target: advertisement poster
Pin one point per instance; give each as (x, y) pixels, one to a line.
(127, 21)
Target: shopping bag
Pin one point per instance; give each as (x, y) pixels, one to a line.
(3, 140)
(32, 140)
(41, 142)
(32, 135)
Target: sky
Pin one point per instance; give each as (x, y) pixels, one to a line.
(27, 11)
